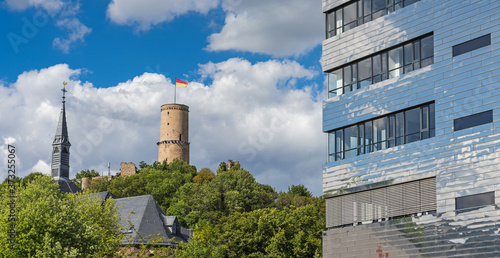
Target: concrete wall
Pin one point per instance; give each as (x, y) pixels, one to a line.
(464, 162)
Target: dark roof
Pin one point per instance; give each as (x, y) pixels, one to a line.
(103, 196)
(143, 220)
(61, 135)
(66, 185)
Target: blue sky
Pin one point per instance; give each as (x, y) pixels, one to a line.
(253, 67)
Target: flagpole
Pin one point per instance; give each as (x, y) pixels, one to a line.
(175, 90)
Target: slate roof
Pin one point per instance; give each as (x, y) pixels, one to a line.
(66, 185)
(103, 196)
(143, 220)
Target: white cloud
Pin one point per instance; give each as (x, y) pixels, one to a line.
(51, 6)
(65, 14)
(274, 27)
(41, 166)
(252, 113)
(77, 32)
(145, 14)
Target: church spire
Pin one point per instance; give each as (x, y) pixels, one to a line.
(61, 144)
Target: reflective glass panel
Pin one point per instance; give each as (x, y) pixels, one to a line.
(412, 125)
(427, 47)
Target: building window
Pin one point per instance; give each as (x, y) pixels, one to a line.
(355, 13)
(474, 201)
(413, 124)
(383, 203)
(381, 66)
(471, 45)
(473, 120)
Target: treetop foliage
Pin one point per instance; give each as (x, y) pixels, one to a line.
(233, 215)
(54, 224)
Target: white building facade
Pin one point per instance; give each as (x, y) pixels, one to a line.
(413, 123)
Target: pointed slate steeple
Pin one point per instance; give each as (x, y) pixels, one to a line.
(60, 152)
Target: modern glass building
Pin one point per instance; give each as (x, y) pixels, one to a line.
(413, 122)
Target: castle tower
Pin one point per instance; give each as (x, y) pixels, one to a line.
(60, 152)
(174, 133)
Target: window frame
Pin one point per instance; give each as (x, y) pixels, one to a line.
(370, 143)
(471, 45)
(385, 69)
(363, 15)
(461, 201)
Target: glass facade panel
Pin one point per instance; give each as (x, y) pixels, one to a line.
(331, 147)
(400, 131)
(471, 45)
(368, 137)
(395, 62)
(378, 5)
(330, 25)
(365, 72)
(361, 139)
(350, 141)
(359, 12)
(386, 64)
(380, 133)
(338, 144)
(335, 83)
(432, 122)
(412, 125)
(473, 120)
(338, 18)
(350, 17)
(427, 47)
(384, 132)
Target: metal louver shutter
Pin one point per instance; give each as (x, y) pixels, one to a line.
(411, 197)
(428, 194)
(334, 212)
(386, 202)
(364, 209)
(379, 203)
(395, 200)
(349, 209)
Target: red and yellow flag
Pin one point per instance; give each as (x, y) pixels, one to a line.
(179, 83)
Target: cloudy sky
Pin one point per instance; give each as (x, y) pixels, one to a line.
(253, 67)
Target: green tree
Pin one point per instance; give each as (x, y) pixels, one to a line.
(84, 173)
(222, 167)
(204, 175)
(204, 244)
(54, 224)
(300, 190)
(161, 180)
(32, 176)
(270, 232)
(228, 192)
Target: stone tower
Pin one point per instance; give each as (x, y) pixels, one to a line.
(174, 133)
